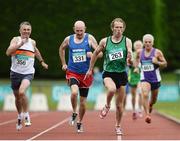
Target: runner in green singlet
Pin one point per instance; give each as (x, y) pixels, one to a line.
(133, 80)
(117, 54)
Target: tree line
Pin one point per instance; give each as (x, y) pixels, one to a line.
(52, 21)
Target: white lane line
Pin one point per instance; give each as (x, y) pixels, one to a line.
(49, 129)
(14, 120)
(119, 137)
(7, 122)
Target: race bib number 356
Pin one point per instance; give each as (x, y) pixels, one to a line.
(21, 62)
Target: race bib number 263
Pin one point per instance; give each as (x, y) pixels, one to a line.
(116, 55)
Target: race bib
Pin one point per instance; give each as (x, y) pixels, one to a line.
(79, 56)
(147, 67)
(116, 55)
(21, 60)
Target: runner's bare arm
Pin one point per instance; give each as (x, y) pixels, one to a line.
(39, 56)
(13, 46)
(129, 50)
(93, 43)
(96, 52)
(62, 48)
(159, 59)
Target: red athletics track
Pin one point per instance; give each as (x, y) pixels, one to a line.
(54, 126)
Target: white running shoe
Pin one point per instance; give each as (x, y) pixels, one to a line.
(79, 128)
(104, 112)
(19, 124)
(118, 130)
(27, 121)
(73, 119)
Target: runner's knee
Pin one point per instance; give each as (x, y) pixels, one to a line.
(119, 107)
(73, 95)
(21, 93)
(111, 90)
(83, 105)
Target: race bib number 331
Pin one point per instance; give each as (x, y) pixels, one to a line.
(79, 57)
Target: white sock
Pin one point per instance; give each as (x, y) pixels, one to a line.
(20, 116)
(26, 114)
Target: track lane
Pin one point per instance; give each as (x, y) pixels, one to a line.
(94, 127)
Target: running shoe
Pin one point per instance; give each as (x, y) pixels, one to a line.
(134, 116)
(104, 112)
(118, 130)
(73, 119)
(148, 119)
(79, 127)
(19, 124)
(27, 121)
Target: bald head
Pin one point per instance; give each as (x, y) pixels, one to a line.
(79, 24)
(79, 29)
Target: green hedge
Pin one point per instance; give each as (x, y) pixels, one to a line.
(52, 21)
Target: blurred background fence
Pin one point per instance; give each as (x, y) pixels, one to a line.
(54, 90)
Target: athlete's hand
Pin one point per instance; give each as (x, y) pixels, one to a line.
(44, 65)
(88, 74)
(23, 41)
(129, 58)
(64, 67)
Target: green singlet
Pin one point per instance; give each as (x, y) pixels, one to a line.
(133, 78)
(115, 56)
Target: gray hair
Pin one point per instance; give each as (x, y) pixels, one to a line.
(24, 23)
(149, 36)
